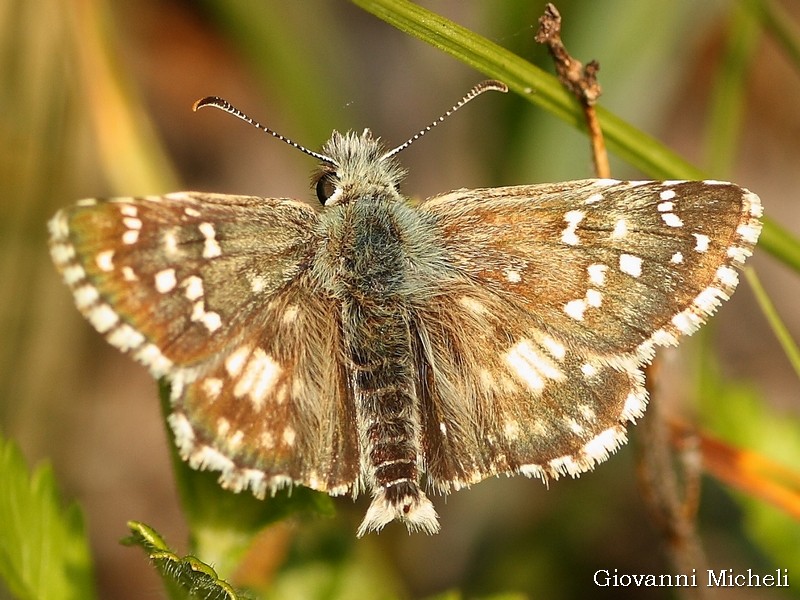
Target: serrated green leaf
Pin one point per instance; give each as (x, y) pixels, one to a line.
(185, 578)
(44, 552)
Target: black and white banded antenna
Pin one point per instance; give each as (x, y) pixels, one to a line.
(223, 104)
(483, 86)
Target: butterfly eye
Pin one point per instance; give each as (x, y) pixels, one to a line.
(326, 186)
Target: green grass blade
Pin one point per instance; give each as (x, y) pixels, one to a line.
(639, 149)
(44, 552)
(778, 328)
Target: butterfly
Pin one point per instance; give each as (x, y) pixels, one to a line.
(374, 345)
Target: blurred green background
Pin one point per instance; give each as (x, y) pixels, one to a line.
(95, 100)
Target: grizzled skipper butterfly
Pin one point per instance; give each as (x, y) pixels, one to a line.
(372, 345)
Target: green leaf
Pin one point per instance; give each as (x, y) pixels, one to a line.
(44, 552)
(186, 578)
(322, 564)
(639, 149)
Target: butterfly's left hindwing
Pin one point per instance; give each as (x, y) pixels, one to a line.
(499, 395)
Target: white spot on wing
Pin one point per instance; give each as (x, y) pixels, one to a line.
(132, 222)
(596, 197)
(257, 284)
(105, 260)
(555, 348)
(531, 366)
(630, 264)
(702, 242)
(587, 412)
(575, 309)
(666, 206)
(130, 237)
(288, 436)
(236, 360)
(258, 378)
(620, 229)
(212, 321)
(667, 195)
(738, 254)
(73, 274)
(290, 314)
(62, 253)
(511, 429)
(604, 443)
(85, 296)
(211, 248)
(686, 322)
(165, 281)
(125, 338)
(129, 210)
(749, 231)
(102, 317)
(727, 276)
(170, 239)
(573, 425)
(223, 426)
(150, 356)
(212, 386)
(672, 220)
(597, 274)
(472, 305)
(634, 407)
(194, 287)
(569, 236)
(594, 298)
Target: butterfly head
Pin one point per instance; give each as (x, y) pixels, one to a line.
(356, 166)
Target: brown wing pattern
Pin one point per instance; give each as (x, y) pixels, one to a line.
(530, 355)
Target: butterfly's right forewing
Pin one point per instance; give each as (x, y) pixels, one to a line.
(212, 292)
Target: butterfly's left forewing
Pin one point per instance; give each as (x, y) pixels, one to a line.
(555, 298)
(604, 264)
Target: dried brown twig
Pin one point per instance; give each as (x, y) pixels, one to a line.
(580, 80)
(671, 491)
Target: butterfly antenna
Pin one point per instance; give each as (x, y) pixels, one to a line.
(483, 86)
(223, 104)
